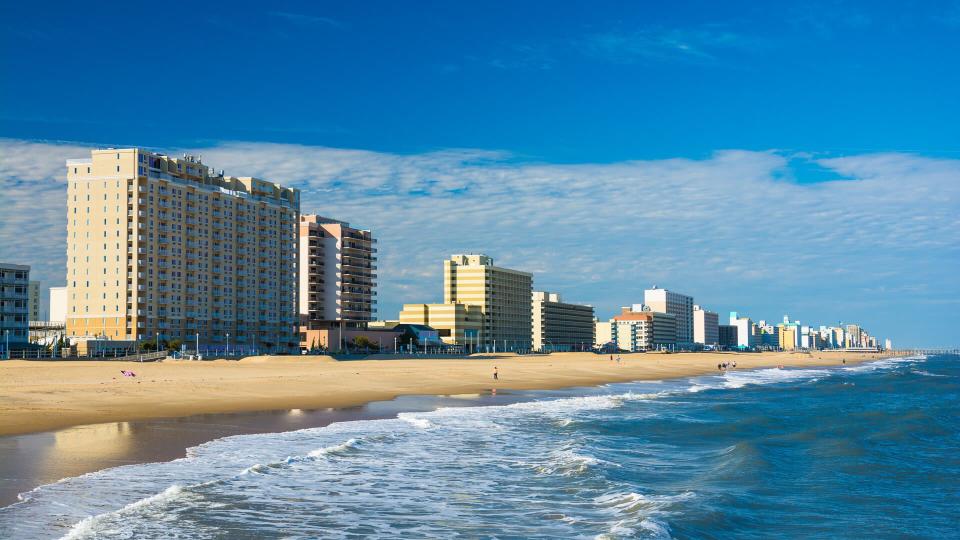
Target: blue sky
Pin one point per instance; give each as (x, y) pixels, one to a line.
(765, 157)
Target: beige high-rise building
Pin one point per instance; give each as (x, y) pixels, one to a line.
(456, 324)
(561, 326)
(503, 296)
(338, 272)
(163, 246)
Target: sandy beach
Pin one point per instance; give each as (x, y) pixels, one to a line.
(43, 396)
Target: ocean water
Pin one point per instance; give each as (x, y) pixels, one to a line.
(867, 451)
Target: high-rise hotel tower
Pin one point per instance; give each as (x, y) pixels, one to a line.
(164, 246)
(503, 296)
(338, 273)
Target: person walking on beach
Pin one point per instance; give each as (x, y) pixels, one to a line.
(719, 367)
(496, 375)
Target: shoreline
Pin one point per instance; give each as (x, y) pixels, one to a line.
(46, 396)
(29, 460)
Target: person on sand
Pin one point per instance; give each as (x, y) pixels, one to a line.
(734, 363)
(719, 367)
(496, 374)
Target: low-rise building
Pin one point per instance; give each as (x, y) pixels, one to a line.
(14, 311)
(636, 329)
(456, 324)
(333, 338)
(560, 326)
(603, 333)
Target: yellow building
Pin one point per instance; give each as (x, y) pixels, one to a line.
(159, 245)
(502, 295)
(457, 324)
(788, 337)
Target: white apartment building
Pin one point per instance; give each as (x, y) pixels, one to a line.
(706, 329)
(676, 304)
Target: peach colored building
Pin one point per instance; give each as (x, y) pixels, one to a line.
(338, 271)
(165, 246)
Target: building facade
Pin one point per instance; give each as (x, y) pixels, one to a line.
(560, 326)
(748, 336)
(503, 296)
(164, 248)
(58, 304)
(14, 308)
(637, 330)
(456, 324)
(676, 304)
(705, 327)
(33, 301)
(603, 333)
(338, 273)
(727, 335)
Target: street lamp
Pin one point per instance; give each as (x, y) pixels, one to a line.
(228, 343)
(6, 334)
(198, 345)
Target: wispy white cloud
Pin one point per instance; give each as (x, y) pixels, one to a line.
(660, 44)
(728, 229)
(305, 20)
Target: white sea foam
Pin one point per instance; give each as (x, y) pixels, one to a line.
(89, 526)
(567, 462)
(349, 444)
(415, 420)
(739, 379)
(927, 373)
(638, 511)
